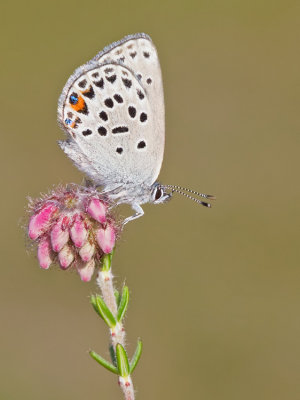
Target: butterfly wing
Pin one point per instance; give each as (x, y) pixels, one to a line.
(112, 109)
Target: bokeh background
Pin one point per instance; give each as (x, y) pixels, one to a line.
(214, 293)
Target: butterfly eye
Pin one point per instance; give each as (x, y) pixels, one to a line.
(158, 193)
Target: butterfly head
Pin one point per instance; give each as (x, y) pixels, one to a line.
(159, 194)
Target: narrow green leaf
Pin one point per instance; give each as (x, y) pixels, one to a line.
(112, 355)
(117, 297)
(106, 263)
(123, 303)
(94, 304)
(105, 312)
(122, 361)
(103, 362)
(137, 355)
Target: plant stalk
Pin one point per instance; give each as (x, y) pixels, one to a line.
(117, 334)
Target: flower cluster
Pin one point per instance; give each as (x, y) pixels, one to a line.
(72, 227)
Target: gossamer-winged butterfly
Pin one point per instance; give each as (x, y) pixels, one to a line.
(112, 109)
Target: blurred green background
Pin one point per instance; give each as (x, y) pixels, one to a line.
(214, 293)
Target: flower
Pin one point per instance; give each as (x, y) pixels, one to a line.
(72, 227)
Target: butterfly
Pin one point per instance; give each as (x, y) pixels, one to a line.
(112, 110)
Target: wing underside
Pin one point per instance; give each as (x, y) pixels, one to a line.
(112, 109)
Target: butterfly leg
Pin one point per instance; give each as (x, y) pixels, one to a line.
(139, 212)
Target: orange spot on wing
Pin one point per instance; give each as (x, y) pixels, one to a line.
(80, 105)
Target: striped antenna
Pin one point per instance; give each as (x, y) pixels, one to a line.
(206, 196)
(203, 203)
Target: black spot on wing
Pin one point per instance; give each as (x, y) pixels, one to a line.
(127, 82)
(102, 131)
(143, 117)
(118, 98)
(103, 116)
(146, 54)
(140, 94)
(82, 84)
(120, 129)
(141, 144)
(119, 150)
(132, 111)
(100, 83)
(89, 93)
(87, 132)
(111, 78)
(109, 103)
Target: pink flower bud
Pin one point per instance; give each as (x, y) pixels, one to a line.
(60, 233)
(106, 238)
(65, 257)
(73, 227)
(87, 251)
(39, 222)
(78, 231)
(86, 270)
(97, 210)
(45, 253)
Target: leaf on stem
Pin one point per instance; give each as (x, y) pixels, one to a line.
(112, 355)
(137, 355)
(123, 304)
(117, 297)
(103, 362)
(122, 361)
(94, 304)
(105, 312)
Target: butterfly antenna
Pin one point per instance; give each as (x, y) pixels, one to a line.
(206, 196)
(203, 203)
